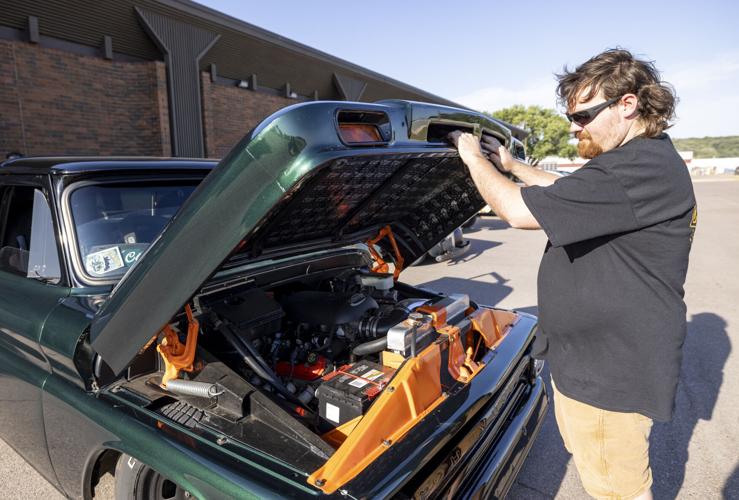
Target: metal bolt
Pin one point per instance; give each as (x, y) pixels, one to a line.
(386, 442)
(222, 440)
(320, 482)
(391, 389)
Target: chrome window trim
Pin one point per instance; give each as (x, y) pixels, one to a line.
(70, 229)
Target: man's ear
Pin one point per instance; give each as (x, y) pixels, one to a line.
(629, 105)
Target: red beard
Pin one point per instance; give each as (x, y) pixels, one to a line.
(586, 147)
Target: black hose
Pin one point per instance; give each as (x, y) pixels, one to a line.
(243, 352)
(379, 326)
(253, 360)
(370, 347)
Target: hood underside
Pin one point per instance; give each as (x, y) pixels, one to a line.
(296, 184)
(422, 196)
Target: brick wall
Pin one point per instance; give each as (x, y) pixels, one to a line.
(229, 113)
(54, 102)
(57, 102)
(11, 131)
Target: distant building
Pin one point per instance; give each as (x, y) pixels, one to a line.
(561, 164)
(713, 166)
(687, 157)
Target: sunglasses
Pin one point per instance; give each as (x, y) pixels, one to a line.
(585, 116)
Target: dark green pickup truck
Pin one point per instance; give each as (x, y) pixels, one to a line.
(240, 330)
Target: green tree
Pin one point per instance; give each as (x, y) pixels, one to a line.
(549, 132)
(709, 147)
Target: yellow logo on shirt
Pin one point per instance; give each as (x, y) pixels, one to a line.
(693, 222)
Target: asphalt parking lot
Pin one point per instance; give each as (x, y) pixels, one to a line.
(694, 456)
(697, 454)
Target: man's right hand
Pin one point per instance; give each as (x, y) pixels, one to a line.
(505, 162)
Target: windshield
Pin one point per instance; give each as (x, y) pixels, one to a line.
(116, 223)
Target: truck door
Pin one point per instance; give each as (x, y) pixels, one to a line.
(29, 291)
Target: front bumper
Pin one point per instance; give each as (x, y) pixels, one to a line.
(486, 460)
(495, 468)
(471, 439)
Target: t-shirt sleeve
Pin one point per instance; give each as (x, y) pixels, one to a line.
(587, 204)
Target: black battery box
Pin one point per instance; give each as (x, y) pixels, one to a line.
(347, 392)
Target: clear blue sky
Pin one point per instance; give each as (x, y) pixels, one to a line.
(489, 55)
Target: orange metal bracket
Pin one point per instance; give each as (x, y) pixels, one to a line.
(176, 356)
(337, 436)
(483, 322)
(437, 313)
(380, 265)
(457, 353)
(484, 328)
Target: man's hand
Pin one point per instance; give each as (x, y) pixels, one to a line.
(470, 147)
(496, 189)
(497, 153)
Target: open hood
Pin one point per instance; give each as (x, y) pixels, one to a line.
(311, 176)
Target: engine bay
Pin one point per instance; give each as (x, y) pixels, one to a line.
(323, 372)
(326, 349)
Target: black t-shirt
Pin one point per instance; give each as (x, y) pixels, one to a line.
(610, 285)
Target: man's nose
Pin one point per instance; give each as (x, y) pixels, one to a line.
(575, 128)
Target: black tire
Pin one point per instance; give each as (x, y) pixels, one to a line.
(134, 480)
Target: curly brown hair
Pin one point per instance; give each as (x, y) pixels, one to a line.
(617, 72)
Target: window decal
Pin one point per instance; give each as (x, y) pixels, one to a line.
(104, 261)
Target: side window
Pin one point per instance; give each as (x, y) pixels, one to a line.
(28, 243)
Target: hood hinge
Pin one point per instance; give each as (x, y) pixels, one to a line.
(380, 265)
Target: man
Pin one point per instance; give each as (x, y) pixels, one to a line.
(610, 283)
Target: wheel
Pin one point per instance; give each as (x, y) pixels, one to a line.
(134, 480)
